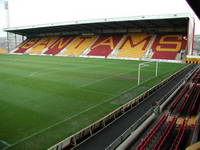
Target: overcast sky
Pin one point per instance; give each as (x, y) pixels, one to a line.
(32, 12)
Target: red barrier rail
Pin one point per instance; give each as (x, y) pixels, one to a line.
(148, 138)
(165, 134)
(196, 76)
(179, 97)
(187, 98)
(179, 136)
(192, 106)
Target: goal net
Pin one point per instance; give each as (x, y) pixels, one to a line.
(147, 71)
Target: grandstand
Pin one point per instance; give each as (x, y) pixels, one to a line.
(42, 45)
(135, 46)
(104, 45)
(74, 103)
(167, 47)
(26, 45)
(79, 45)
(149, 37)
(58, 45)
(3, 51)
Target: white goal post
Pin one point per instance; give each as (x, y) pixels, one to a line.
(146, 64)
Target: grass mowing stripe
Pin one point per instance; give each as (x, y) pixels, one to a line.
(60, 122)
(73, 116)
(39, 101)
(90, 83)
(56, 63)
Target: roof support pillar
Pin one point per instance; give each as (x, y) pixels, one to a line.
(191, 30)
(8, 46)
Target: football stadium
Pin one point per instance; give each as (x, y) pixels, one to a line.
(104, 84)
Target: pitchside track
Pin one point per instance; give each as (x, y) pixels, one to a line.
(44, 99)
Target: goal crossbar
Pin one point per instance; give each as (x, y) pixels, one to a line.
(146, 64)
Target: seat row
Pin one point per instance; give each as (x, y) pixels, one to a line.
(3, 51)
(141, 45)
(167, 134)
(186, 102)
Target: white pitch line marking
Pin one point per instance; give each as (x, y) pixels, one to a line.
(58, 123)
(90, 83)
(32, 74)
(62, 121)
(4, 142)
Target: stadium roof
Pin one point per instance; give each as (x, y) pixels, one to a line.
(113, 24)
(195, 6)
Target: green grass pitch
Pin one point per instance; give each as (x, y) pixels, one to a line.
(45, 99)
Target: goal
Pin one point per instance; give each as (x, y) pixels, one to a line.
(147, 71)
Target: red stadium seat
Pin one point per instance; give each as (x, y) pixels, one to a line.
(59, 45)
(168, 46)
(28, 44)
(104, 45)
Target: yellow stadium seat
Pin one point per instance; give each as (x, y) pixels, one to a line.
(3, 51)
(79, 45)
(195, 146)
(42, 45)
(134, 46)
